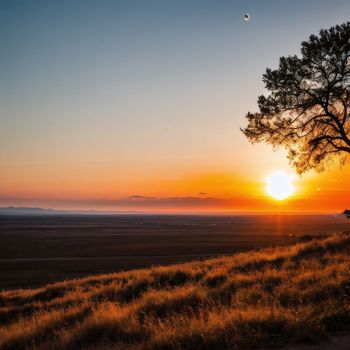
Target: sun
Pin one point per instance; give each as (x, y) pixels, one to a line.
(279, 185)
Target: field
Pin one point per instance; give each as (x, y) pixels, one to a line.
(35, 250)
(298, 293)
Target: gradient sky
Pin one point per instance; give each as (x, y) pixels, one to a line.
(136, 105)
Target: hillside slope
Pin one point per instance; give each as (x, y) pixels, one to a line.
(298, 293)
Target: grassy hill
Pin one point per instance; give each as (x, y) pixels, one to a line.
(297, 293)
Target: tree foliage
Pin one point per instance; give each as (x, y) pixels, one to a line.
(307, 106)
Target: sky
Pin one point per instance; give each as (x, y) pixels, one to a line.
(137, 105)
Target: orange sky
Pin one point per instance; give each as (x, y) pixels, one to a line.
(159, 189)
(119, 107)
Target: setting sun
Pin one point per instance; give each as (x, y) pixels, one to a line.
(279, 185)
(175, 175)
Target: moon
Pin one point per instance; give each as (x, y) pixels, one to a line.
(246, 17)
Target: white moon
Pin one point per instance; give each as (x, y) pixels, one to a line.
(247, 17)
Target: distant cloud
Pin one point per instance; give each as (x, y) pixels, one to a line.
(138, 197)
(137, 202)
(320, 200)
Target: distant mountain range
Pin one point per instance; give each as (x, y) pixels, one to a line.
(43, 211)
(37, 211)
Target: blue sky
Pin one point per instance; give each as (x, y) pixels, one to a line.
(129, 90)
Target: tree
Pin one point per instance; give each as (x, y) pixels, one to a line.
(307, 106)
(347, 213)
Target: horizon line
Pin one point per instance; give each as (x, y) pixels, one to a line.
(40, 211)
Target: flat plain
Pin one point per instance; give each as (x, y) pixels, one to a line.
(35, 250)
(292, 295)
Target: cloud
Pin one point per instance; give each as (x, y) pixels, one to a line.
(319, 201)
(136, 202)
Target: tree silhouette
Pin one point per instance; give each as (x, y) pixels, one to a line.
(307, 107)
(347, 213)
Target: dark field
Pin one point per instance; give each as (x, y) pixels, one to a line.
(42, 249)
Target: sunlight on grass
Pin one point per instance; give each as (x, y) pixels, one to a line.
(298, 293)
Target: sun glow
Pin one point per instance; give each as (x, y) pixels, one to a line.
(279, 185)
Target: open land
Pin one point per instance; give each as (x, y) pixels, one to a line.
(274, 297)
(35, 250)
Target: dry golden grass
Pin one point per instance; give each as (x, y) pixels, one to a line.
(298, 293)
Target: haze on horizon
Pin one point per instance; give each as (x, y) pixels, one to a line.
(123, 105)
